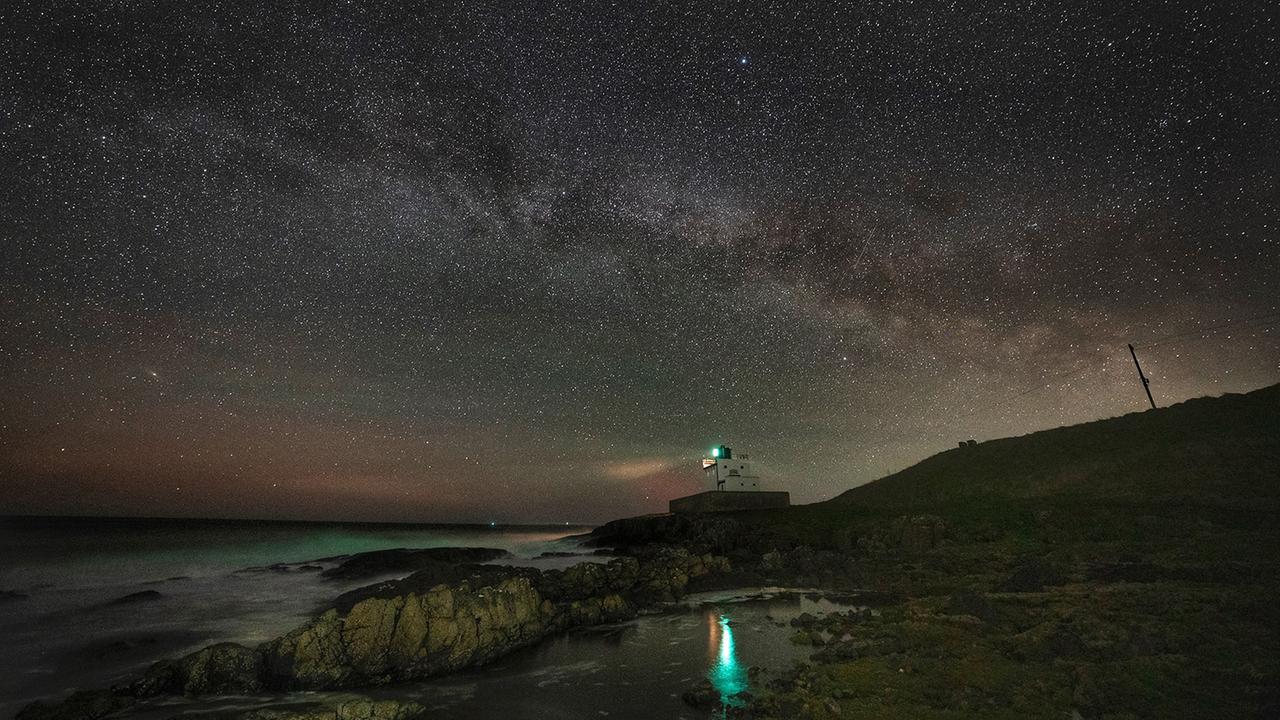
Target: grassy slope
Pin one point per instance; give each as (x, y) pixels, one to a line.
(1190, 492)
(1223, 449)
(1217, 459)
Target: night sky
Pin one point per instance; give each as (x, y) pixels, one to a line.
(459, 261)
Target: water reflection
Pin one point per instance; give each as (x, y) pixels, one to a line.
(727, 675)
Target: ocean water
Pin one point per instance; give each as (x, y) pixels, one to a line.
(65, 630)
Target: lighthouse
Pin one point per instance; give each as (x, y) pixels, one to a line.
(726, 472)
(731, 481)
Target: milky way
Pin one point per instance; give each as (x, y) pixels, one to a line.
(527, 261)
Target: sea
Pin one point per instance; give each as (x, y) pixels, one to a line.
(91, 602)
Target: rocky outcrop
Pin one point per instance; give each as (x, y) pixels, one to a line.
(700, 533)
(386, 640)
(403, 630)
(225, 668)
(661, 575)
(406, 560)
(422, 581)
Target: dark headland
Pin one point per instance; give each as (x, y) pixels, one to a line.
(1125, 568)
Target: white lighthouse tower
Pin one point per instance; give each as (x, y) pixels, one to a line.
(732, 482)
(726, 472)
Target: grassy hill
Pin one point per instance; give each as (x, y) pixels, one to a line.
(1210, 462)
(1222, 450)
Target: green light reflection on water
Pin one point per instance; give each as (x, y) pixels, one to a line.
(726, 674)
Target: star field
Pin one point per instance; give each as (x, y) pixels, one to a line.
(527, 261)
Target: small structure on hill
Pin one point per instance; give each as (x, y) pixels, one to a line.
(733, 483)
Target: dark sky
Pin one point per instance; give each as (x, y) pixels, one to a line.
(528, 261)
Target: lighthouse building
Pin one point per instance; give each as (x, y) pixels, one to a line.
(723, 471)
(731, 482)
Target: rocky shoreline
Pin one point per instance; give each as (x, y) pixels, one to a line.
(452, 613)
(435, 621)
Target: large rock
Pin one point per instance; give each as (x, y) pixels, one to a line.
(383, 640)
(404, 632)
(222, 669)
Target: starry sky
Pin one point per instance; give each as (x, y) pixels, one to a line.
(528, 261)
